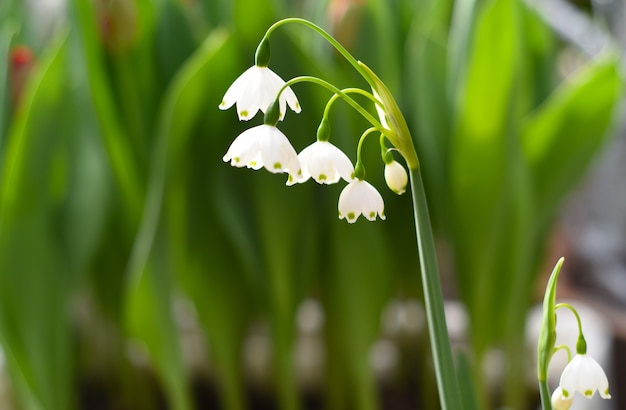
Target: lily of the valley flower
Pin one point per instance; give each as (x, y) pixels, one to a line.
(325, 163)
(360, 198)
(559, 402)
(264, 146)
(255, 90)
(584, 375)
(396, 177)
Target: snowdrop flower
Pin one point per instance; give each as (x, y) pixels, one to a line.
(255, 90)
(584, 375)
(559, 402)
(325, 163)
(396, 177)
(360, 197)
(264, 146)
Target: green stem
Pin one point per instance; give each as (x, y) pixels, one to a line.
(571, 309)
(445, 373)
(341, 49)
(358, 107)
(346, 91)
(544, 391)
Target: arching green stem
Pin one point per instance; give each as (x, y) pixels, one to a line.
(358, 107)
(346, 91)
(571, 309)
(567, 349)
(359, 169)
(341, 49)
(581, 343)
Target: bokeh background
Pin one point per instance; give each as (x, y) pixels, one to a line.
(139, 271)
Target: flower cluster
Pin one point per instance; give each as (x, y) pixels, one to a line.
(582, 374)
(265, 146)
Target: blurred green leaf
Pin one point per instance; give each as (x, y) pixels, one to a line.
(116, 139)
(150, 290)
(35, 283)
(479, 149)
(6, 36)
(428, 103)
(561, 137)
(355, 289)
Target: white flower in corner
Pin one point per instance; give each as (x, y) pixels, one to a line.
(255, 90)
(325, 163)
(360, 198)
(396, 177)
(559, 402)
(264, 146)
(584, 375)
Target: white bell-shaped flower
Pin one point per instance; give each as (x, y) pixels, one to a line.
(584, 375)
(559, 402)
(255, 90)
(264, 146)
(396, 177)
(360, 198)
(325, 163)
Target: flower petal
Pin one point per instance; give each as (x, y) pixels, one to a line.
(360, 198)
(255, 90)
(585, 375)
(325, 163)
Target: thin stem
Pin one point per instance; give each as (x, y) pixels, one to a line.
(567, 349)
(341, 49)
(447, 383)
(359, 169)
(346, 91)
(571, 309)
(544, 393)
(358, 107)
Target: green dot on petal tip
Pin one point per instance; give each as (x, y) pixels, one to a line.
(277, 165)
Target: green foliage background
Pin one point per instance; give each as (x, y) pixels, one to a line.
(115, 202)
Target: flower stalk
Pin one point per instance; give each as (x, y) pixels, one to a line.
(447, 382)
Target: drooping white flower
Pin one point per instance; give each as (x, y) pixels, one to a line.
(264, 146)
(396, 177)
(360, 198)
(559, 402)
(255, 90)
(325, 163)
(584, 375)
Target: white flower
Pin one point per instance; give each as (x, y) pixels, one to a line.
(559, 402)
(325, 163)
(584, 375)
(264, 146)
(396, 177)
(255, 90)
(360, 197)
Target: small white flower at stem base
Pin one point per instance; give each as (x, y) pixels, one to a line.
(396, 177)
(325, 163)
(255, 90)
(264, 146)
(360, 198)
(559, 402)
(584, 375)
